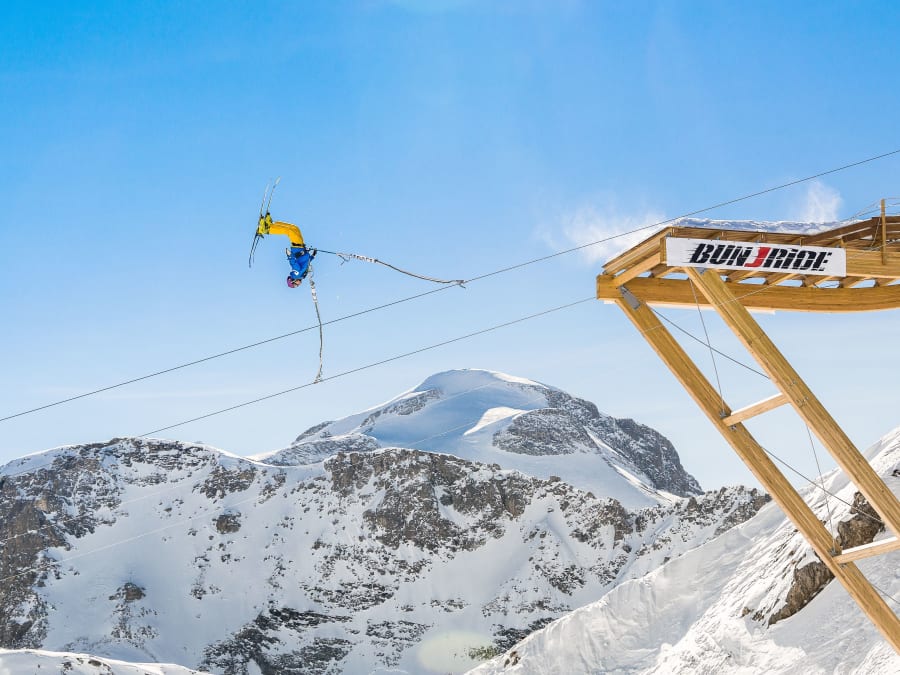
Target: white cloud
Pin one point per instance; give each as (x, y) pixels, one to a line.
(822, 204)
(604, 230)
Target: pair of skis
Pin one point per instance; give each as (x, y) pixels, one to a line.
(264, 205)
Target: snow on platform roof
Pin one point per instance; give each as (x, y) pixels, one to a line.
(783, 226)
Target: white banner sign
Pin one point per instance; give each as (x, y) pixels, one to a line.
(756, 256)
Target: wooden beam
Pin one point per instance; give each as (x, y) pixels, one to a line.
(677, 293)
(755, 457)
(873, 263)
(868, 550)
(663, 270)
(634, 255)
(755, 409)
(851, 232)
(770, 237)
(639, 268)
(736, 276)
(783, 375)
(774, 279)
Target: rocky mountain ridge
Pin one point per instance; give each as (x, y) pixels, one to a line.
(133, 550)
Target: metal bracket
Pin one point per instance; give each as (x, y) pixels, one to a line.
(630, 297)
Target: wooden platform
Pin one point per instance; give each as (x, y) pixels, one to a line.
(873, 269)
(642, 276)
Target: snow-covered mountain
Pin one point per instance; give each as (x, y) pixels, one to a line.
(337, 555)
(491, 417)
(754, 600)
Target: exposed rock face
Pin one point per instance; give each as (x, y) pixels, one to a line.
(308, 452)
(655, 455)
(650, 452)
(406, 406)
(417, 491)
(532, 433)
(810, 579)
(228, 523)
(128, 593)
(862, 527)
(336, 567)
(33, 510)
(267, 642)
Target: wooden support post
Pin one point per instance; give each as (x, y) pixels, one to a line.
(869, 550)
(883, 234)
(755, 457)
(801, 397)
(755, 409)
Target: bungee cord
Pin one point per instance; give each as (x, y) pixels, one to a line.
(315, 299)
(355, 256)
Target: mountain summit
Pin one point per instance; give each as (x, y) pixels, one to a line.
(491, 417)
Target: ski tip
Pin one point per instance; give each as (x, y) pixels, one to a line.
(262, 204)
(271, 194)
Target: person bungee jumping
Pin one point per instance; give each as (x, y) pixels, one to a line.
(299, 255)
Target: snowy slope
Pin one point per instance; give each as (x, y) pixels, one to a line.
(712, 610)
(31, 661)
(492, 417)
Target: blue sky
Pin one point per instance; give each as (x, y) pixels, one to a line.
(450, 138)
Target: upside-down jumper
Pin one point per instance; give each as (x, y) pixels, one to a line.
(299, 255)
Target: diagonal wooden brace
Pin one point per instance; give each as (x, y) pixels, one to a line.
(755, 457)
(783, 375)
